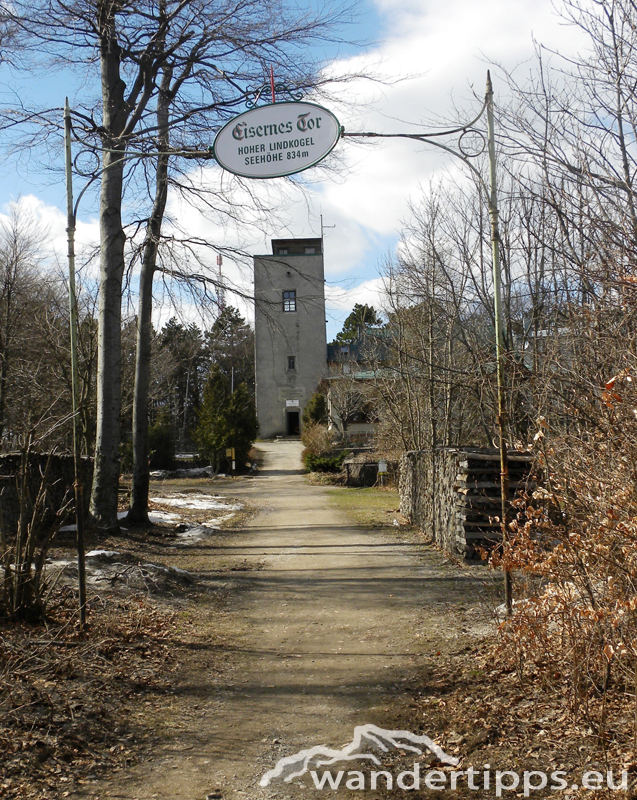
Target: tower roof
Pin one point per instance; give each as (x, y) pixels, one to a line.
(297, 247)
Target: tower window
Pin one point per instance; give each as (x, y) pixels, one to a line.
(289, 300)
(310, 251)
(291, 362)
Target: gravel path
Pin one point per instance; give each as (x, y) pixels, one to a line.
(323, 630)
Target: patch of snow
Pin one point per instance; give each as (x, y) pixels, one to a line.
(197, 534)
(120, 569)
(163, 516)
(174, 572)
(106, 555)
(214, 522)
(183, 472)
(197, 502)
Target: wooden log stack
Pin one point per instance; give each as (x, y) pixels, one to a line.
(454, 494)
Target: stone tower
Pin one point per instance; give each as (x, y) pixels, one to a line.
(290, 343)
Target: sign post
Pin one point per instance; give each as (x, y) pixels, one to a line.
(230, 454)
(79, 502)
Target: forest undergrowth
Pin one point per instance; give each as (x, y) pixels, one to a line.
(70, 704)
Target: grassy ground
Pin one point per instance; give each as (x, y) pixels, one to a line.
(375, 507)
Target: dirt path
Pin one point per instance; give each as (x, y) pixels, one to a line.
(324, 629)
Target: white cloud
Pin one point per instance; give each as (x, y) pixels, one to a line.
(49, 223)
(371, 292)
(446, 45)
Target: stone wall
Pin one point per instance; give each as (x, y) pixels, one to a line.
(60, 481)
(453, 493)
(415, 501)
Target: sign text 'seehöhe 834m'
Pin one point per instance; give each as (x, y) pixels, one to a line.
(275, 140)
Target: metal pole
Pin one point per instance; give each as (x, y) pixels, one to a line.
(70, 230)
(499, 337)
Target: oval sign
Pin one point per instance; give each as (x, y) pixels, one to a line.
(276, 140)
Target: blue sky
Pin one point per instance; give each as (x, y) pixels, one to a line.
(434, 56)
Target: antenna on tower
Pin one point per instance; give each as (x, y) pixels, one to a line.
(323, 227)
(221, 292)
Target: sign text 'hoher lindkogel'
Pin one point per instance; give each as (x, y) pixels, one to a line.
(275, 140)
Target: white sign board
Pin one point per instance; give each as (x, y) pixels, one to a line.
(275, 140)
(292, 404)
(382, 466)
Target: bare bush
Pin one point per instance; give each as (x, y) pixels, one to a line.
(317, 439)
(23, 551)
(577, 623)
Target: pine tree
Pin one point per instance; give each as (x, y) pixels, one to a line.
(226, 420)
(354, 325)
(316, 410)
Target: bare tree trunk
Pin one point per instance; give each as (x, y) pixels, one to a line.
(3, 384)
(138, 513)
(103, 506)
(139, 497)
(4, 345)
(185, 420)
